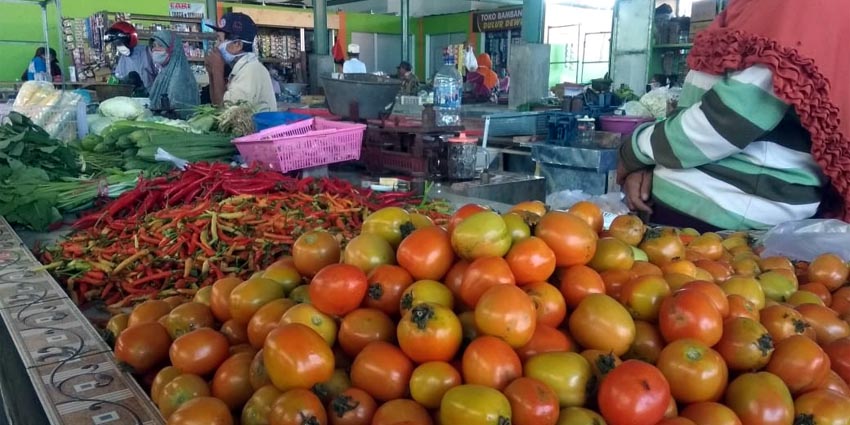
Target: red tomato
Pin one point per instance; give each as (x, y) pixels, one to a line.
(430, 382)
(382, 370)
(506, 312)
(549, 303)
(143, 346)
(532, 402)
(401, 412)
(839, 356)
(828, 269)
(782, 321)
(429, 332)
(352, 407)
(689, 314)
(826, 323)
(678, 420)
(600, 322)
(634, 393)
(258, 375)
(362, 326)
(336, 279)
(265, 320)
(546, 339)
(200, 351)
(231, 383)
(800, 363)
(454, 278)
(713, 292)
(481, 275)
(834, 383)
(695, 372)
(220, 297)
(297, 407)
(148, 311)
(569, 237)
(531, 260)
(822, 407)
(760, 398)
(295, 356)
(314, 250)
(841, 301)
(615, 280)
(741, 307)
(386, 284)
(427, 253)
(491, 362)
(745, 345)
(578, 282)
(647, 345)
(710, 413)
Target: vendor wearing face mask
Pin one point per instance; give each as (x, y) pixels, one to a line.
(131, 56)
(176, 79)
(249, 80)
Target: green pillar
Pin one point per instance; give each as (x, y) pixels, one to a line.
(405, 30)
(320, 28)
(533, 13)
(212, 11)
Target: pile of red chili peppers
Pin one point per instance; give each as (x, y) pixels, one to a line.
(175, 234)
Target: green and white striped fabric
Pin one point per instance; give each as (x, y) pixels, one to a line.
(733, 155)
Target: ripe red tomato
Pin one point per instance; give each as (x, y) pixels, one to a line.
(834, 383)
(336, 279)
(481, 275)
(201, 410)
(741, 307)
(600, 322)
(760, 398)
(745, 345)
(491, 362)
(256, 411)
(800, 363)
(826, 323)
(634, 393)
(615, 280)
(549, 303)
(828, 269)
(454, 278)
(546, 339)
(569, 237)
(314, 250)
(429, 332)
(200, 351)
(531, 260)
(506, 312)
(578, 282)
(143, 346)
(265, 320)
(298, 406)
(352, 407)
(695, 372)
(676, 420)
(427, 253)
(295, 356)
(710, 413)
(235, 332)
(362, 326)
(231, 383)
(839, 356)
(689, 314)
(382, 370)
(841, 301)
(386, 284)
(474, 405)
(401, 411)
(532, 402)
(567, 374)
(612, 254)
(822, 407)
(782, 321)
(642, 296)
(713, 292)
(430, 381)
(647, 345)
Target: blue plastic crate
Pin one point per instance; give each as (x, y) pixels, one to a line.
(266, 120)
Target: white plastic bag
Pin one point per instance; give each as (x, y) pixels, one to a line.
(806, 239)
(611, 204)
(162, 155)
(469, 60)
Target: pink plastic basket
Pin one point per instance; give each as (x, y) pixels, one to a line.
(304, 144)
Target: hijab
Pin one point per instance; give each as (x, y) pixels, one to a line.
(485, 68)
(803, 46)
(176, 78)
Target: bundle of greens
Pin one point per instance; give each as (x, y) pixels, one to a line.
(24, 144)
(235, 119)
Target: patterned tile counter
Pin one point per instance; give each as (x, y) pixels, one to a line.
(54, 367)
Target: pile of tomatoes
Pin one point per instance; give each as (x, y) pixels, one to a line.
(533, 317)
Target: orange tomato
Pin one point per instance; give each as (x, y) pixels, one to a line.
(401, 411)
(506, 312)
(491, 362)
(662, 249)
(236, 333)
(430, 381)
(600, 322)
(336, 279)
(627, 228)
(362, 326)
(549, 303)
(199, 352)
(297, 407)
(689, 314)
(148, 311)
(429, 332)
(314, 250)
(532, 402)
(531, 260)
(295, 356)
(820, 290)
(247, 297)
(828, 269)
(534, 207)
(386, 284)
(712, 292)
(741, 307)
(571, 239)
(265, 320)
(546, 339)
(382, 370)
(352, 407)
(588, 212)
(577, 282)
(647, 345)
(201, 410)
(642, 296)
(454, 278)
(426, 253)
(231, 383)
(481, 275)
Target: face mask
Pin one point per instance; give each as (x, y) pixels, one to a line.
(159, 57)
(123, 50)
(229, 58)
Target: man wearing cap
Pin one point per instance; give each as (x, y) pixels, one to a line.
(409, 82)
(249, 80)
(353, 64)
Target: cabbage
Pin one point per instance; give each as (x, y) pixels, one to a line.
(98, 123)
(656, 102)
(121, 107)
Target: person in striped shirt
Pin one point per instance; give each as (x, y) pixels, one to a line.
(754, 140)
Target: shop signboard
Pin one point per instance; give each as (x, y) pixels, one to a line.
(187, 10)
(498, 20)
